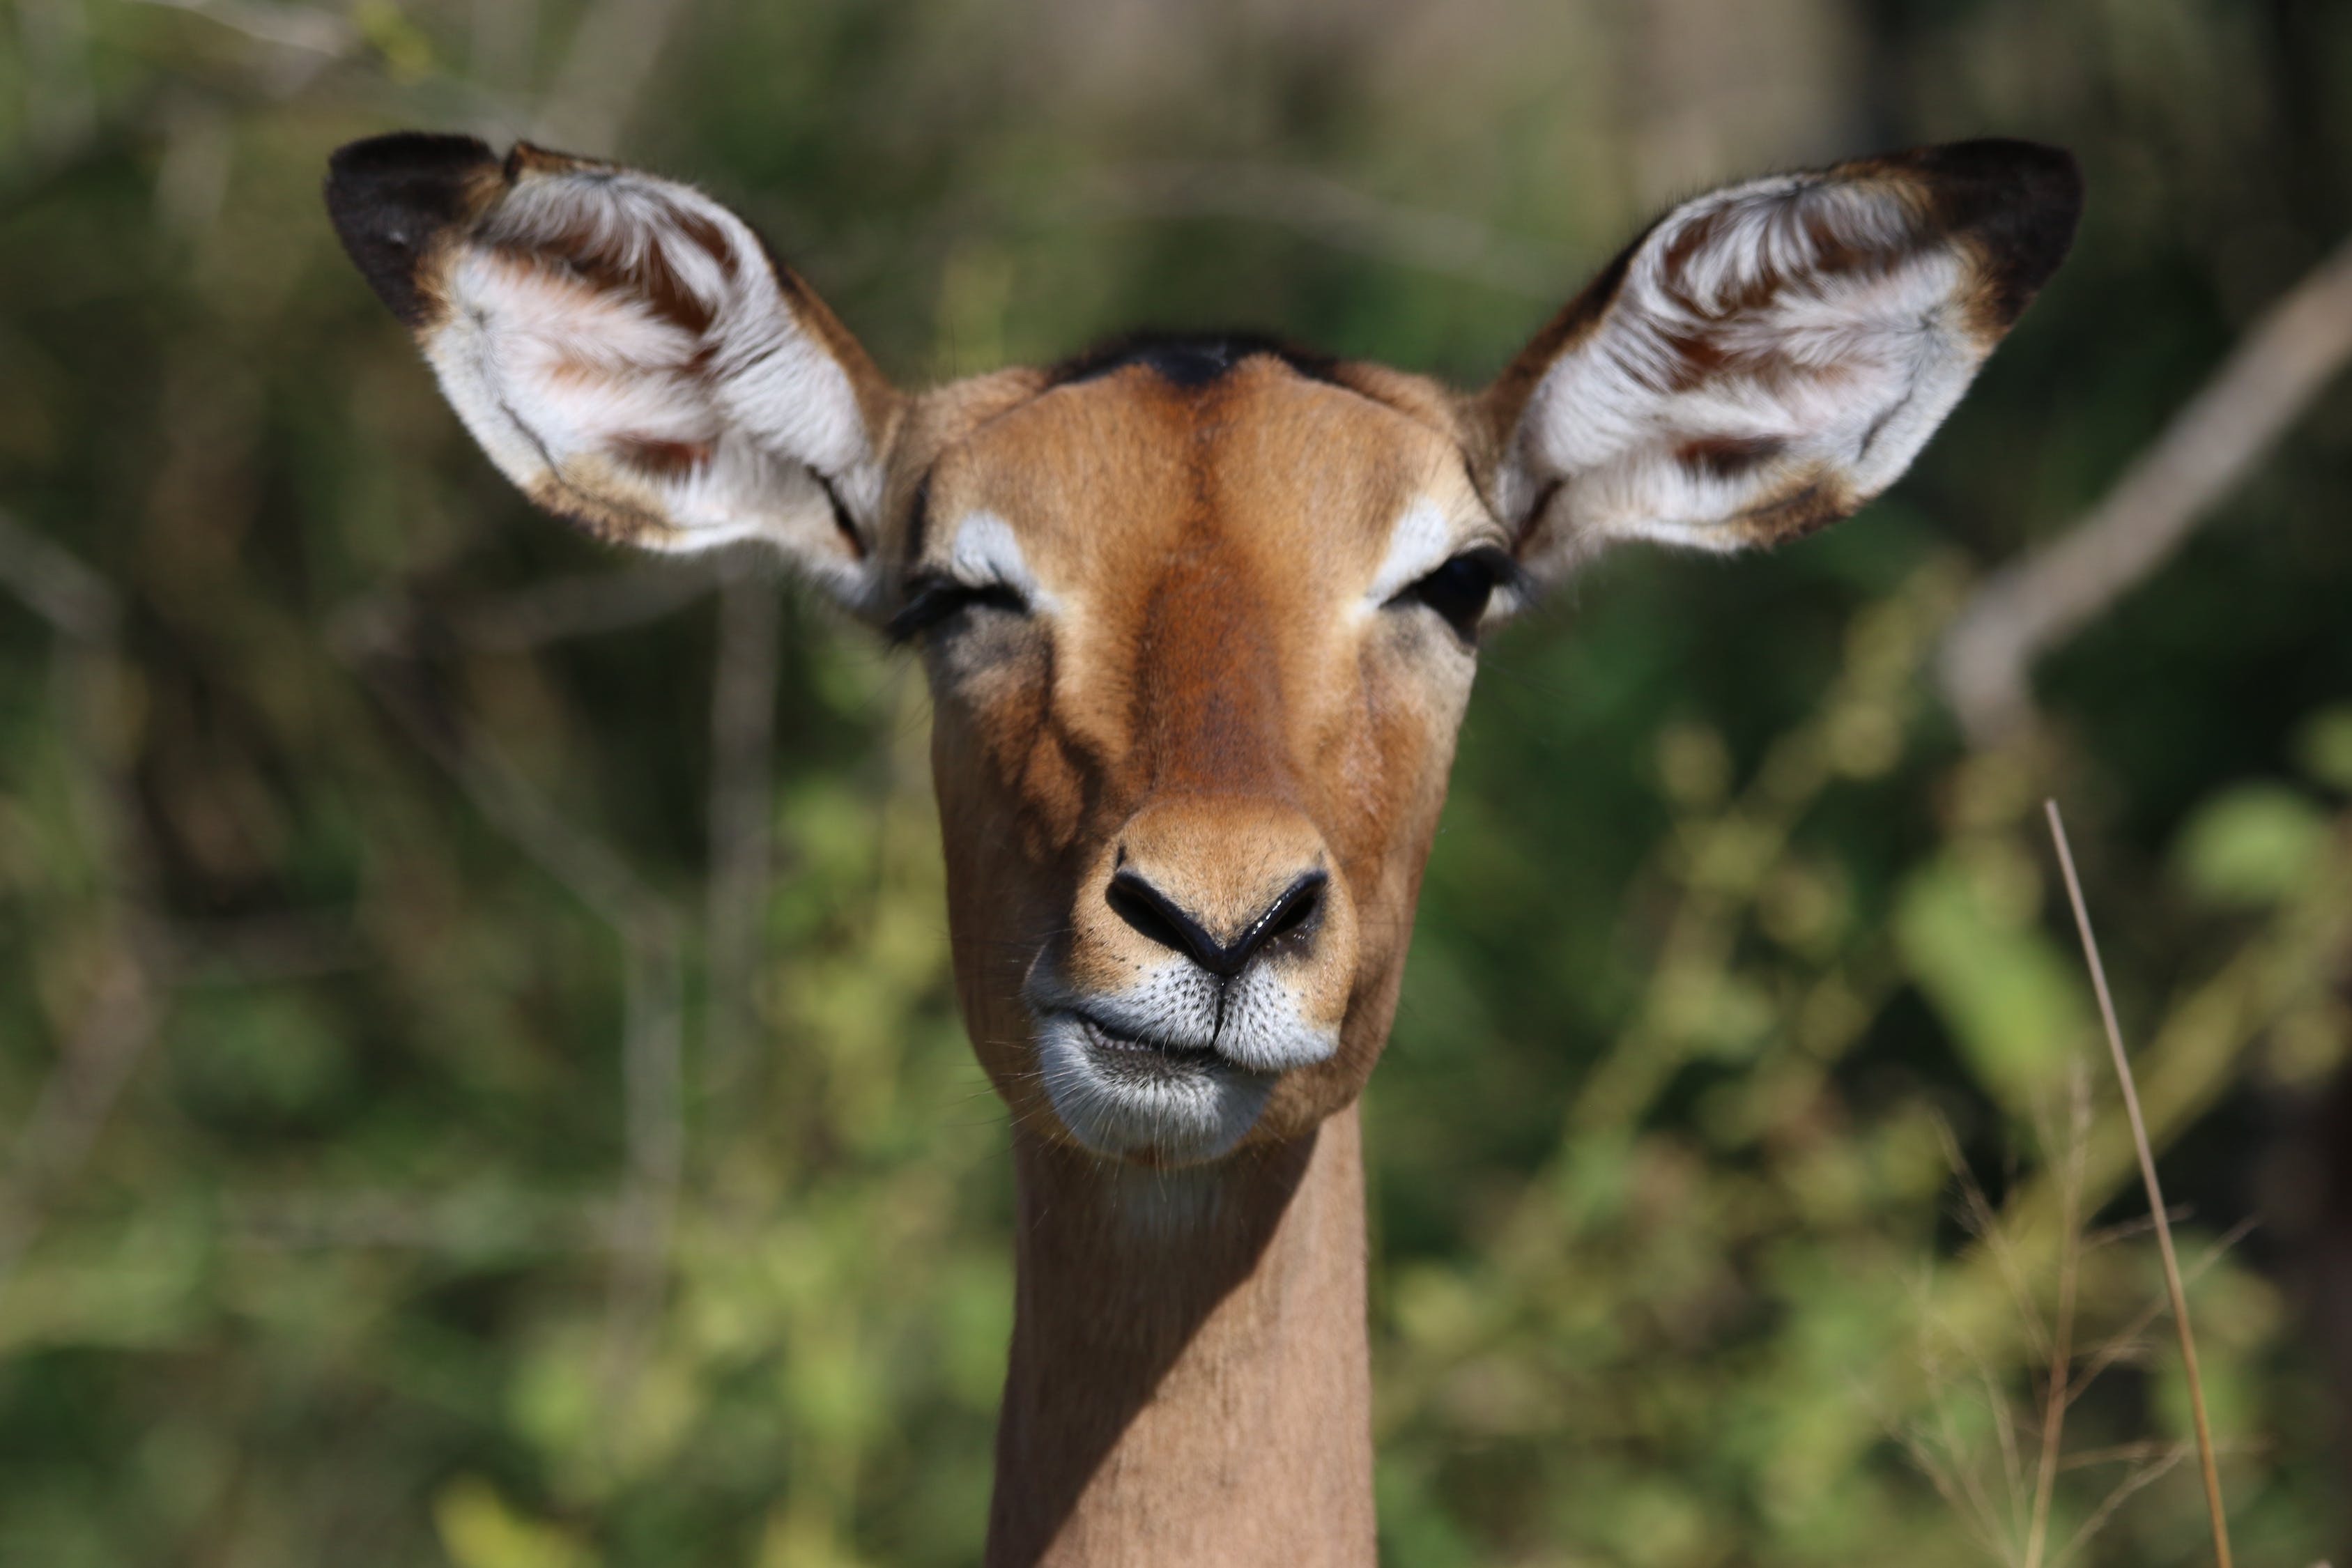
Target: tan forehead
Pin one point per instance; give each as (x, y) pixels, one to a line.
(1262, 456)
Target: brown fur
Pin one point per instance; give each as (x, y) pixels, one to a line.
(1207, 703)
(1210, 704)
(1188, 1386)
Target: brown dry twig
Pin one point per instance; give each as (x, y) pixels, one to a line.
(2034, 604)
(104, 1045)
(742, 842)
(2172, 1281)
(373, 639)
(583, 604)
(604, 72)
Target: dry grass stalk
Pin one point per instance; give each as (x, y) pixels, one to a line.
(2062, 1346)
(2172, 1281)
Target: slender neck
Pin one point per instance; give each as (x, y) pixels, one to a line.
(1189, 1380)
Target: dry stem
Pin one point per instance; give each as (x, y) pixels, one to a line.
(2172, 1282)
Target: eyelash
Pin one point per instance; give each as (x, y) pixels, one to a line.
(1461, 589)
(932, 600)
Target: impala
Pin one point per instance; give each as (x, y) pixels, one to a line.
(1200, 617)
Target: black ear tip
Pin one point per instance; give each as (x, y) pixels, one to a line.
(400, 152)
(388, 195)
(2020, 200)
(2003, 158)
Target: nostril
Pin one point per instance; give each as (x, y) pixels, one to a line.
(1149, 911)
(1160, 918)
(1294, 911)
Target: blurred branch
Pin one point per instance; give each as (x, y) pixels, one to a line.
(604, 72)
(94, 1063)
(474, 1222)
(581, 605)
(60, 105)
(653, 1075)
(2039, 601)
(503, 36)
(742, 733)
(374, 637)
(50, 583)
(295, 43)
(265, 948)
(101, 1049)
(280, 26)
(1338, 215)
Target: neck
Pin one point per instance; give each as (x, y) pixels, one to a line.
(1189, 1380)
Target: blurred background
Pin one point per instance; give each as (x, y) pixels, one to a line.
(478, 1082)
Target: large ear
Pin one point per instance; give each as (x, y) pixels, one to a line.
(1767, 358)
(626, 349)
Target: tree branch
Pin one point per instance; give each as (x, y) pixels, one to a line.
(581, 606)
(371, 638)
(2037, 603)
(55, 586)
(742, 847)
(604, 72)
(103, 1047)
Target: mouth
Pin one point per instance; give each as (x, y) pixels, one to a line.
(1132, 1054)
(1129, 1096)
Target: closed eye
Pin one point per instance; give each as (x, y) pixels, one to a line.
(1461, 589)
(932, 600)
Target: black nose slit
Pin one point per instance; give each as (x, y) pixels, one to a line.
(1151, 912)
(1297, 907)
(1157, 917)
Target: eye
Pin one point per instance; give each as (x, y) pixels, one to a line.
(932, 600)
(1460, 590)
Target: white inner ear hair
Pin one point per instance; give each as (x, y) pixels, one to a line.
(1734, 361)
(627, 338)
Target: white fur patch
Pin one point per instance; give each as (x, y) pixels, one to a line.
(986, 550)
(1421, 540)
(623, 340)
(1735, 331)
(1118, 1101)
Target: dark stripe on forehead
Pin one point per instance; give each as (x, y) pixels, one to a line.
(1191, 359)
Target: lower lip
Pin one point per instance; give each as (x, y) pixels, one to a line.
(1176, 1057)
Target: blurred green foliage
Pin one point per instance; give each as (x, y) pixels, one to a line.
(407, 1164)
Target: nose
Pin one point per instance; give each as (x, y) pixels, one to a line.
(1292, 916)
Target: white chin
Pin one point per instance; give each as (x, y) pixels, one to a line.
(1123, 1101)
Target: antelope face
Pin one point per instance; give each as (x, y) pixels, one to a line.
(1200, 620)
(1200, 617)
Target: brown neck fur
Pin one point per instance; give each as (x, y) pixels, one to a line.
(1190, 1379)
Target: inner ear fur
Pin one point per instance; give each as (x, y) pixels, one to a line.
(1765, 358)
(626, 349)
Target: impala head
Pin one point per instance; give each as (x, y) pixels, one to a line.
(1199, 616)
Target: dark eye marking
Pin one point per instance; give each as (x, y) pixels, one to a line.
(932, 599)
(1461, 589)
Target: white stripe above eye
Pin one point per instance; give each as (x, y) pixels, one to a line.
(985, 551)
(1418, 543)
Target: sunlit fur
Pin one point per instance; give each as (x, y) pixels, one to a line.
(1200, 655)
(1177, 613)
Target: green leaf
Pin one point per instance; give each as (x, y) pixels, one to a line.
(2252, 845)
(2014, 1003)
(2324, 746)
(478, 1529)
